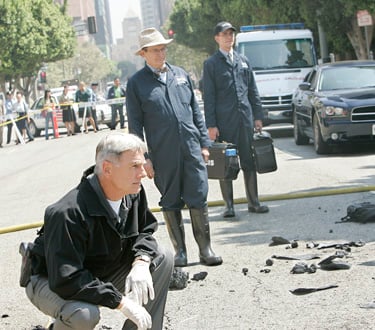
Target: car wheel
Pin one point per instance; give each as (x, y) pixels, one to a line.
(33, 129)
(299, 138)
(321, 147)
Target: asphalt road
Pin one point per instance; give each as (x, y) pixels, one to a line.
(36, 174)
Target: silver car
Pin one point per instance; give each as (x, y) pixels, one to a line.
(37, 121)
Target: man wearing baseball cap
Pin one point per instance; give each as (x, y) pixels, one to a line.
(161, 103)
(233, 110)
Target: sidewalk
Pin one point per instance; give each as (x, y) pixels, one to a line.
(231, 298)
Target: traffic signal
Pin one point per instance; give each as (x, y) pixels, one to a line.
(43, 77)
(170, 33)
(91, 24)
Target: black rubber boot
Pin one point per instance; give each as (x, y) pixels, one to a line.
(175, 227)
(201, 231)
(251, 187)
(226, 187)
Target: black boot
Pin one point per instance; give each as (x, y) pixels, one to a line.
(251, 187)
(201, 231)
(175, 227)
(226, 187)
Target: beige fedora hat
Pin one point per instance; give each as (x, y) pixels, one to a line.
(151, 37)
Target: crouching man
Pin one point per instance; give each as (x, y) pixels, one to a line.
(96, 248)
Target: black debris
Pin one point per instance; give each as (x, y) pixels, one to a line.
(301, 268)
(265, 270)
(199, 276)
(330, 263)
(311, 245)
(245, 271)
(297, 257)
(179, 279)
(278, 240)
(269, 262)
(302, 291)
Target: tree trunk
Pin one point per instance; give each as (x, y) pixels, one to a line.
(358, 40)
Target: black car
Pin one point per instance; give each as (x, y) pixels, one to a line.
(335, 104)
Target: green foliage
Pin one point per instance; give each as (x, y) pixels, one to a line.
(34, 32)
(88, 64)
(193, 20)
(127, 69)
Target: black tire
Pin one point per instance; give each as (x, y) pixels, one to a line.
(35, 132)
(321, 147)
(299, 138)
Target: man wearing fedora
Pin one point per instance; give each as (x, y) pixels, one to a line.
(233, 110)
(160, 102)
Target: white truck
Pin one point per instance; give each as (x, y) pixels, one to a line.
(281, 55)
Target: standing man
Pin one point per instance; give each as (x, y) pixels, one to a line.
(1, 122)
(160, 102)
(233, 110)
(84, 94)
(116, 92)
(9, 114)
(97, 248)
(94, 98)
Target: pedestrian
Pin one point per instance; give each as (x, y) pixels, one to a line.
(160, 101)
(47, 113)
(9, 114)
(1, 122)
(94, 87)
(116, 92)
(97, 246)
(21, 108)
(233, 110)
(66, 104)
(84, 94)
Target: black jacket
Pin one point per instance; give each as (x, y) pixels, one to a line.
(79, 245)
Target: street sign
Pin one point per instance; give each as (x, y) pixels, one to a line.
(364, 18)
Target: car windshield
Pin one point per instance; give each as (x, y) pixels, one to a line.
(355, 77)
(274, 54)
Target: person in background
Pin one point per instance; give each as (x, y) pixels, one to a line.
(233, 110)
(1, 121)
(21, 108)
(97, 246)
(84, 94)
(160, 102)
(9, 114)
(115, 92)
(69, 118)
(94, 88)
(47, 111)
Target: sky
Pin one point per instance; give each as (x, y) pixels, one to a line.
(120, 9)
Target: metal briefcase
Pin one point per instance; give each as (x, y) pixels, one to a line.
(223, 163)
(264, 153)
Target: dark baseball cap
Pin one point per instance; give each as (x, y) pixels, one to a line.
(223, 26)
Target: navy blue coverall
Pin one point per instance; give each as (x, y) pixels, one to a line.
(232, 102)
(175, 132)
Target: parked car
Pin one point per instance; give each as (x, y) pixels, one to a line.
(335, 104)
(37, 121)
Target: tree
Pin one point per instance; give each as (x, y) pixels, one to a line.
(88, 65)
(35, 32)
(193, 20)
(127, 69)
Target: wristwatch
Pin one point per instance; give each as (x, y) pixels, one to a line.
(144, 258)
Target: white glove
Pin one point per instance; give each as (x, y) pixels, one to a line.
(139, 282)
(136, 313)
